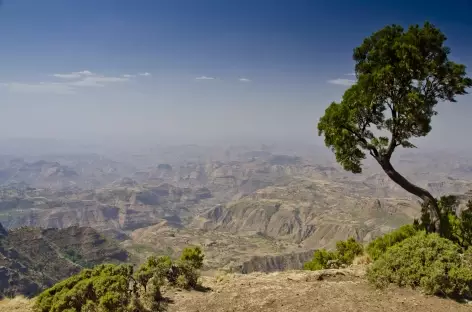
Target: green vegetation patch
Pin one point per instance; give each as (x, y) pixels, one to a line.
(434, 264)
(117, 288)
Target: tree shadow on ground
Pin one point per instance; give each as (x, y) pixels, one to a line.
(201, 288)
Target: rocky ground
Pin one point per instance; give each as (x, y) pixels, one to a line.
(302, 291)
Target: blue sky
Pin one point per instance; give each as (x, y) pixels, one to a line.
(267, 68)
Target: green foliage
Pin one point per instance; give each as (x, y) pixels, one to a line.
(188, 276)
(379, 246)
(192, 256)
(401, 76)
(107, 288)
(347, 250)
(427, 261)
(345, 253)
(459, 225)
(456, 226)
(153, 296)
(463, 228)
(320, 260)
(158, 266)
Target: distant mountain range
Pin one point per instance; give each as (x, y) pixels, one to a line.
(246, 206)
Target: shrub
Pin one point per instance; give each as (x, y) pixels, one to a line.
(459, 225)
(320, 260)
(427, 261)
(345, 253)
(379, 246)
(158, 266)
(107, 288)
(192, 256)
(348, 250)
(104, 288)
(188, 276)
(454, 225)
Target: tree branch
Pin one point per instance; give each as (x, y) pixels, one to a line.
(372, 150)
(411, 188)
(393, 139)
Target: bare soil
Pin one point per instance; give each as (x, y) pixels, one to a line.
(300, 291)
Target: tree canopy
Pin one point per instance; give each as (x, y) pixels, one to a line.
(401, 77)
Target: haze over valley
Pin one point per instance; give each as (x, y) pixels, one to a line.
(252, 207)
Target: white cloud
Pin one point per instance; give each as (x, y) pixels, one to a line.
(67, 76)
(204, 78)
(350, 74)
(86, 73)
(244, 80)
(97, 81)
(73, 81)
(74, 75)
(146, 74)
(42, 87)
(342, 82)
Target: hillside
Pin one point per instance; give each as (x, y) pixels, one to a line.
(313, 213)
(292, 291)
(251, 208)
(32, 259)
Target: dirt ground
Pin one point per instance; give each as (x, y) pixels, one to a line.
(331, 290)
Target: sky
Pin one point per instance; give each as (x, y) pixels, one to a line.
(199, 71)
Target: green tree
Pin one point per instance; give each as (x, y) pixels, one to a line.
(401, 77)
(188, 266)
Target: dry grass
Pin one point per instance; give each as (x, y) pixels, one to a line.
(17, 304)
(362, 260)
(342, 290)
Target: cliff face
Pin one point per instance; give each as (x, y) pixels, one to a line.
(32, 259)
(292, 261)
(312, 213)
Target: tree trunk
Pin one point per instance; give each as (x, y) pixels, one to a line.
(426, 196)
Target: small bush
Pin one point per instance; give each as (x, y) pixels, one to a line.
(345, 253)
(190, 274)
(192, 256)
(379, 246)
(348, 250)
(320, 260)
(427, 261)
